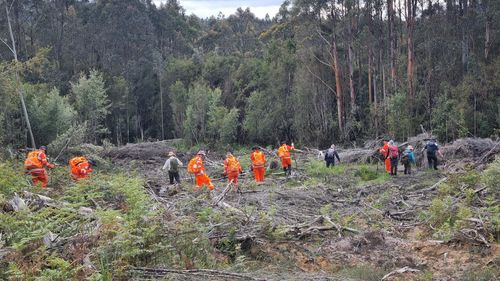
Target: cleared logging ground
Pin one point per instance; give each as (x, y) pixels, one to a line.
(352, 222)
(350, 218)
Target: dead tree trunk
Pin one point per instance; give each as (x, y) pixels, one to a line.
(370, 74)
(487, 36)
(464, 41)
(392, 43)
(350, 58)
(410, 24)
(338, 83)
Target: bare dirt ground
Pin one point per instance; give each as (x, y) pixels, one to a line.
(326, 227)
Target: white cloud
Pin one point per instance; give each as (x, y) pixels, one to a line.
(207, 8)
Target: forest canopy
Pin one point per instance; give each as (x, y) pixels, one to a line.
(318, 71)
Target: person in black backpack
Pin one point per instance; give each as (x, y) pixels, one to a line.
(172, 166)
(432, 149)
(330, 156)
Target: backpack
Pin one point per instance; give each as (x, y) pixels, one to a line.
(330, 153)
(32, 161)
(174, 165)
(405, 158)
(393, 151)
(258, 158)
(432, 148)
(76, 160)
(191, 166)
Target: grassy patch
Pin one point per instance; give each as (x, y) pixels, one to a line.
(369, 173)
(317, 168)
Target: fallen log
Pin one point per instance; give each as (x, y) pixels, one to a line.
(399, 271)
(434, 186)
(310, 228)
(223, 194)
(162, 272)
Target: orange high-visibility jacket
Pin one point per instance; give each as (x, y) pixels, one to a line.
(284, 151)
(231, 164)
(80, 167)
(195, 165)
(36, 160)
(383, 150)
(258, 159)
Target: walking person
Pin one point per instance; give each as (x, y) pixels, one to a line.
(432, 151)
(392, 155)
(330, 156)
(35, 164)
(258, 162)
(81, 167)
(172, 166)
(286, 158)
(197, 167)
(407, 159)
(383, 151)
(232, 168)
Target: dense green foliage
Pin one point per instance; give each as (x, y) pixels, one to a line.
(133, 71)
(120, 227)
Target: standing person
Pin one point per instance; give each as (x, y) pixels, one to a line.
(232, 168)
(286, 158)
(197, 168)
(383, 151)
(330, 155)
(34, 165)
(432, 149)
(81, 167)
(172, 166)
(407, 159)
(258, 162)
(392, 155)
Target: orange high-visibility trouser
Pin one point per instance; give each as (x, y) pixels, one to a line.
(40, 176)
(388, 165)
(233, 176)
(286, 162)
(203, 179)
(259, 173)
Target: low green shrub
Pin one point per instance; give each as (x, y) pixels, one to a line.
(317, 168)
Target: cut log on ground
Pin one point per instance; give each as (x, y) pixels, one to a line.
(399, 271)
(162, 272)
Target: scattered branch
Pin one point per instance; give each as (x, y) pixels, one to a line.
(399, 271)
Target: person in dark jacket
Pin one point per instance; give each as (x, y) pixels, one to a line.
(432, 151)
(330, 156)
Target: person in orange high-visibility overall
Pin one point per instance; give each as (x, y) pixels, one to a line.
(258, 161)
(286, 158)
(34, 165)
(197, 168)
(232, 168)
(81, 167)
(383, 151)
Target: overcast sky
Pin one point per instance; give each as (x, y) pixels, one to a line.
(207, 8)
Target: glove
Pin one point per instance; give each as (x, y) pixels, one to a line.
(51, 166)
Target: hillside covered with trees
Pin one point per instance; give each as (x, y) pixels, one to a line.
(318, 71)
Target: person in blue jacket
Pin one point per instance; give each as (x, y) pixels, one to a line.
(407, 159)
